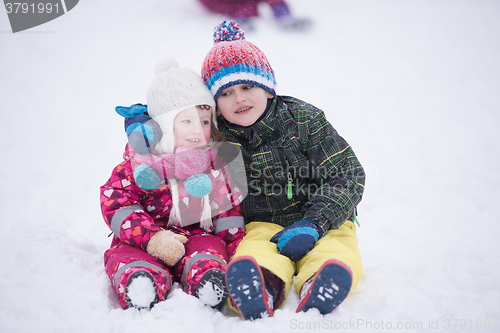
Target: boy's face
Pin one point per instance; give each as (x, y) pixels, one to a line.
(192, 127)
(243, 104)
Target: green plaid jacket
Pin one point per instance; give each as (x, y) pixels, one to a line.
(297, 166)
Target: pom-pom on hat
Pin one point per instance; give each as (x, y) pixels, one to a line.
(234, 60)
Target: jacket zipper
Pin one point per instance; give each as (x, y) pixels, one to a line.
(289, 184)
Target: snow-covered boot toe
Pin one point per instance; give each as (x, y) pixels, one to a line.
(141, 291)
(212, 289)
(327, 289)
(247, 288)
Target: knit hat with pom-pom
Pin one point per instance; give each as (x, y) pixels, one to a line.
(233, 60)
(173, 90)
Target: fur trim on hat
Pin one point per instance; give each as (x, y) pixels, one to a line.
(173, 90)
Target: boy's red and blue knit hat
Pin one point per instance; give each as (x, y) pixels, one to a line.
(233, 60)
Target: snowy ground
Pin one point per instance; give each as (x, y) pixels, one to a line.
(412, 85)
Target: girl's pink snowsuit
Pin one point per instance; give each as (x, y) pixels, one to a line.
(135, 215)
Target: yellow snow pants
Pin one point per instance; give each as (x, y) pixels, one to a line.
(340, 244)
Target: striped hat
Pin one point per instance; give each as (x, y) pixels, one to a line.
(233, 60)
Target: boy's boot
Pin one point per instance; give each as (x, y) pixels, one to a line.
(327, 288)
(212, 289)
(247, 288)
(141, 291)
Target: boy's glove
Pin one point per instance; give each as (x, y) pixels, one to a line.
(167, 246)
(296, 240)
(142, 131)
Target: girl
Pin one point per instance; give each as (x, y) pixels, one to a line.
(170, 204)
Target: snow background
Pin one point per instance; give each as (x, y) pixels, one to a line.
(412, 85)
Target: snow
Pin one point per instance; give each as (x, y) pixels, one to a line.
(412, 85)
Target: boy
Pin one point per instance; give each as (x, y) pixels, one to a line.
(304, 185)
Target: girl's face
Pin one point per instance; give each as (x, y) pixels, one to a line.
(192, 127)
(243, 104)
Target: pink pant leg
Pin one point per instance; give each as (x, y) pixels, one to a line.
(122, 260)
(203, 253)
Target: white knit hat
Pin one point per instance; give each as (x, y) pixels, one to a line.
(173, 90)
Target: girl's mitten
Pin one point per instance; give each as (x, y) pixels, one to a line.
(167, 246)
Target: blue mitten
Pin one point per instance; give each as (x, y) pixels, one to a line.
(142, 131)
(296, 240)
(130, 111)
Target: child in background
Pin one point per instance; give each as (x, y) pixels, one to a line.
(304, 185)
(244, 11)
(172, 208)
